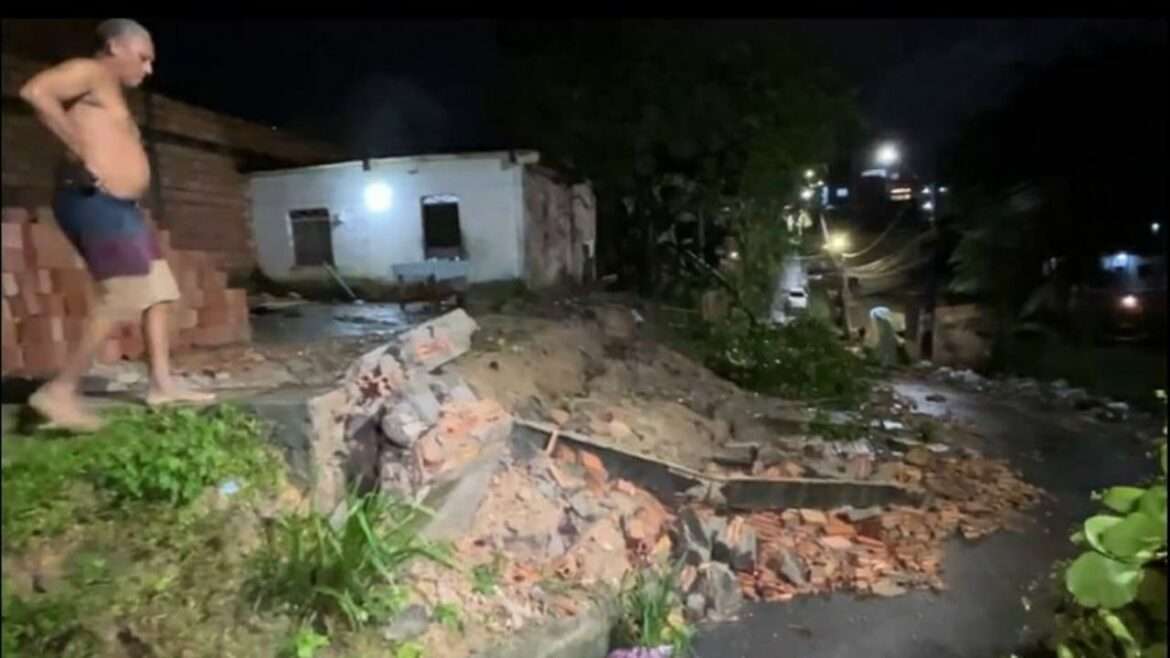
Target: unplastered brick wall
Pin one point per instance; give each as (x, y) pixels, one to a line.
(200, 193)
(48, 294)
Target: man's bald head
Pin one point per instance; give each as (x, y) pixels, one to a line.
(127, 48)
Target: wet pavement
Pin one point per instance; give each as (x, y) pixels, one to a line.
(312, 321)
(999, 595)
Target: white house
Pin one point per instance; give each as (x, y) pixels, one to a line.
(487, 216)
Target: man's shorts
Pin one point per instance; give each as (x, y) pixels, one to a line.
(120, 250)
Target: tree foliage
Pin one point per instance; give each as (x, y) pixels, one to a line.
(1072, 165)
(666, 116)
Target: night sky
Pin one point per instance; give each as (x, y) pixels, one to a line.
(415, 86)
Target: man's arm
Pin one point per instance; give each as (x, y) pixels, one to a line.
(48, 91)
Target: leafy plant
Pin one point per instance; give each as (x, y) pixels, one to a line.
(449, 615)
(1119, 581)
(650, 613)
(485, 578)
(347, 570)
(305, 643)
(803, 359)
(173, 456)
(408, 650)
(154, 456)
(44, 627)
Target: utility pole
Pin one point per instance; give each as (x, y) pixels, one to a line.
(839, 260)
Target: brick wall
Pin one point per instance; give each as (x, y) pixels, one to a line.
(198, 157)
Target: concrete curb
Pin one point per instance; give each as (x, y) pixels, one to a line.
(585, 635)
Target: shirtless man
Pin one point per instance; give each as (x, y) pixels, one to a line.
(105, 173)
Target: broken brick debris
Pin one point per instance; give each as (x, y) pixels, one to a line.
(883, 551)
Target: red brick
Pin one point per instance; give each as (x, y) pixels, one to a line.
(52, 305)
(74, 328)
(11, 358)
(214, 298)
(213, 336)
(50, 248)
(15, 216)
(8, 332)
(13, 260)
(110, 351)
(11, 285)
(215, 316)
(29, 299)
(11, 236)
(132, 347)
(214, 281)
(42, 329)
(44, 359)
(44, 282)
(45, 215)
(194, 298)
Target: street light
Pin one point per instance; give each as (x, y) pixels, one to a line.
(806, 194)
(809, 173)
(928, 206)
(837, 243)
(887, 154)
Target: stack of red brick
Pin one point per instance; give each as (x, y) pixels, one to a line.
(48, 294)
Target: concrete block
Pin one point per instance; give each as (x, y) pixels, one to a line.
(455, 497)
(438, 341)
(308, 425)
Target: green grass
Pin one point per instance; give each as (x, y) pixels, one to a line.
(169, 456)
(318, 571)
(485, 578)
(650, 613)
(802, 360)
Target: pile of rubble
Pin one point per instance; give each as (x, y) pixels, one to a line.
(777, 555)
(547, 529)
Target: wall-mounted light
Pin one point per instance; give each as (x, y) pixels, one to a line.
(378, 196)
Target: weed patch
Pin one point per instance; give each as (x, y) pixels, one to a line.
(320, 571)
(801, 360)
(651, 613)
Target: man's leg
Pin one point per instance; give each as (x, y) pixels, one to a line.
(57, 400)
(162, 384)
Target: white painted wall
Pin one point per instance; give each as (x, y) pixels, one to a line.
(366, 244)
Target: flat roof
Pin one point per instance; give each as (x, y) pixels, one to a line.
(523, 156)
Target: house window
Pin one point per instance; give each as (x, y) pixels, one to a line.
(312, 236)
(442, 237)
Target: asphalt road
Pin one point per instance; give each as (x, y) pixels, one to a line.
(982, 614)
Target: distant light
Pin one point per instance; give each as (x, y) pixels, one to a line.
(926, 190)
(809, 173)
(837, 243)
(806, 194)
(942, 190)
(928, 206)
(378, 196)
(1121, 259)
(843, 192)
(895, 176)
(873, 173)
(887, 154)
(1155, 227)
(820, 183)
(1130, 302)
(733, 255)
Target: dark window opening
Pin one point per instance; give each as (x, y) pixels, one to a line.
(442, 237)
(312, 235)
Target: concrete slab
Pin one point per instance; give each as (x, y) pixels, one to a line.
(585, 635)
